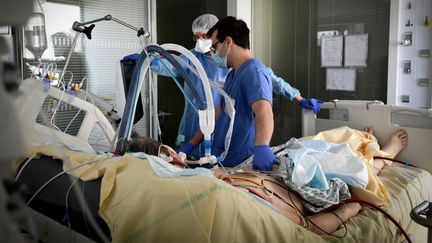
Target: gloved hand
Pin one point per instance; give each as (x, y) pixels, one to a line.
(263, 158)
(185, 148)
(311, 104)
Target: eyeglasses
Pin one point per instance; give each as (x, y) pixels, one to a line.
(213, 47)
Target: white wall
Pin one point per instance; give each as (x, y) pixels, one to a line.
(241, 9)
(408, 16)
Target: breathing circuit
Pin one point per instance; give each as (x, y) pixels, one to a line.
(206, 109)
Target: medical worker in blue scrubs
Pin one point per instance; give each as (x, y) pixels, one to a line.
(189, 122)
(249, 84)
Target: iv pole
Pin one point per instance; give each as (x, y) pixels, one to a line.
(82, 28)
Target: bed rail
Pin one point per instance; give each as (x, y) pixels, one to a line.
(385, 119)
(95, 131)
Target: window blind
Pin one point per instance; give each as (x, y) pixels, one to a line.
(285, 38)
(96, 60)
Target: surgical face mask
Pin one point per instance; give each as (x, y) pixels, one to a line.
(203, 45)
(218, 60)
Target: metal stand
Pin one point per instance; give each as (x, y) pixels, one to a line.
(422, 214)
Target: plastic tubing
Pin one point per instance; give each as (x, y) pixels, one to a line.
(206, 110)
(173, 76)
(180, 70)
(201, 72)
(207, 116)
(125, 127)
(230, 111)
(140, 70)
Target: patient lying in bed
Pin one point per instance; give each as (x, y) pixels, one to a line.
(287, 202)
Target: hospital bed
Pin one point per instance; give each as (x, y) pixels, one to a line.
(137, 204)
(385, 119)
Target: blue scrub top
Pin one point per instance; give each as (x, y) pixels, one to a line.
(249, 83)
(189, 124)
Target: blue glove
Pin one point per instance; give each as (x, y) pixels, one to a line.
(132, 57)
(185, 148)
(263, 158)
(311, 104)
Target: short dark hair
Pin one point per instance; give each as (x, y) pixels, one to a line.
(234, 28)
(143, 144)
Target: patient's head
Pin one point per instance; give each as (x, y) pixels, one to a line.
(153, 147)
(143, 144)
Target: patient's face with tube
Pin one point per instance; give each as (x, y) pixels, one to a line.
(153, 147)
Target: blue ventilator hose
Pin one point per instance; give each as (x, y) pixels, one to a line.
(202, 105)
(125, 128)
(173, 76)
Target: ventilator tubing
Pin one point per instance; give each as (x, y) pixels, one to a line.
(201, 72)
(125, 127)
(230, 111)
(206, 117)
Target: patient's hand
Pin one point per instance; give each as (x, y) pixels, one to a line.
(165, 150)
(348, 210)
(219, 171)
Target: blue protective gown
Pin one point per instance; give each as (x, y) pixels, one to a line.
(249, 83)
(281, 87)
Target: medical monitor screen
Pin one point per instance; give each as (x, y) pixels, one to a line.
(127, 68)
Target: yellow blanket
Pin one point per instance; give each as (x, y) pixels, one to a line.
(365, 146)
(139, 206)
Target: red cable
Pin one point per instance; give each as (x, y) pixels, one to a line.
(253, 191)
(343, 202)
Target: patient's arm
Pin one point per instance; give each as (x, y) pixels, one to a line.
(288, 203)
(331, 221)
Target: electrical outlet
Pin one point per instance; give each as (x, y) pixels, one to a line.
(425, 53)
(406, 67)
(405, 98)
(423, 82)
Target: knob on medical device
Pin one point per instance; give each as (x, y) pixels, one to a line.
(77, 26)
(87, 31)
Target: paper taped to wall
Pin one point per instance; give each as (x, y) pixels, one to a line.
(331, 51)
(341, 79)
(356, 50)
